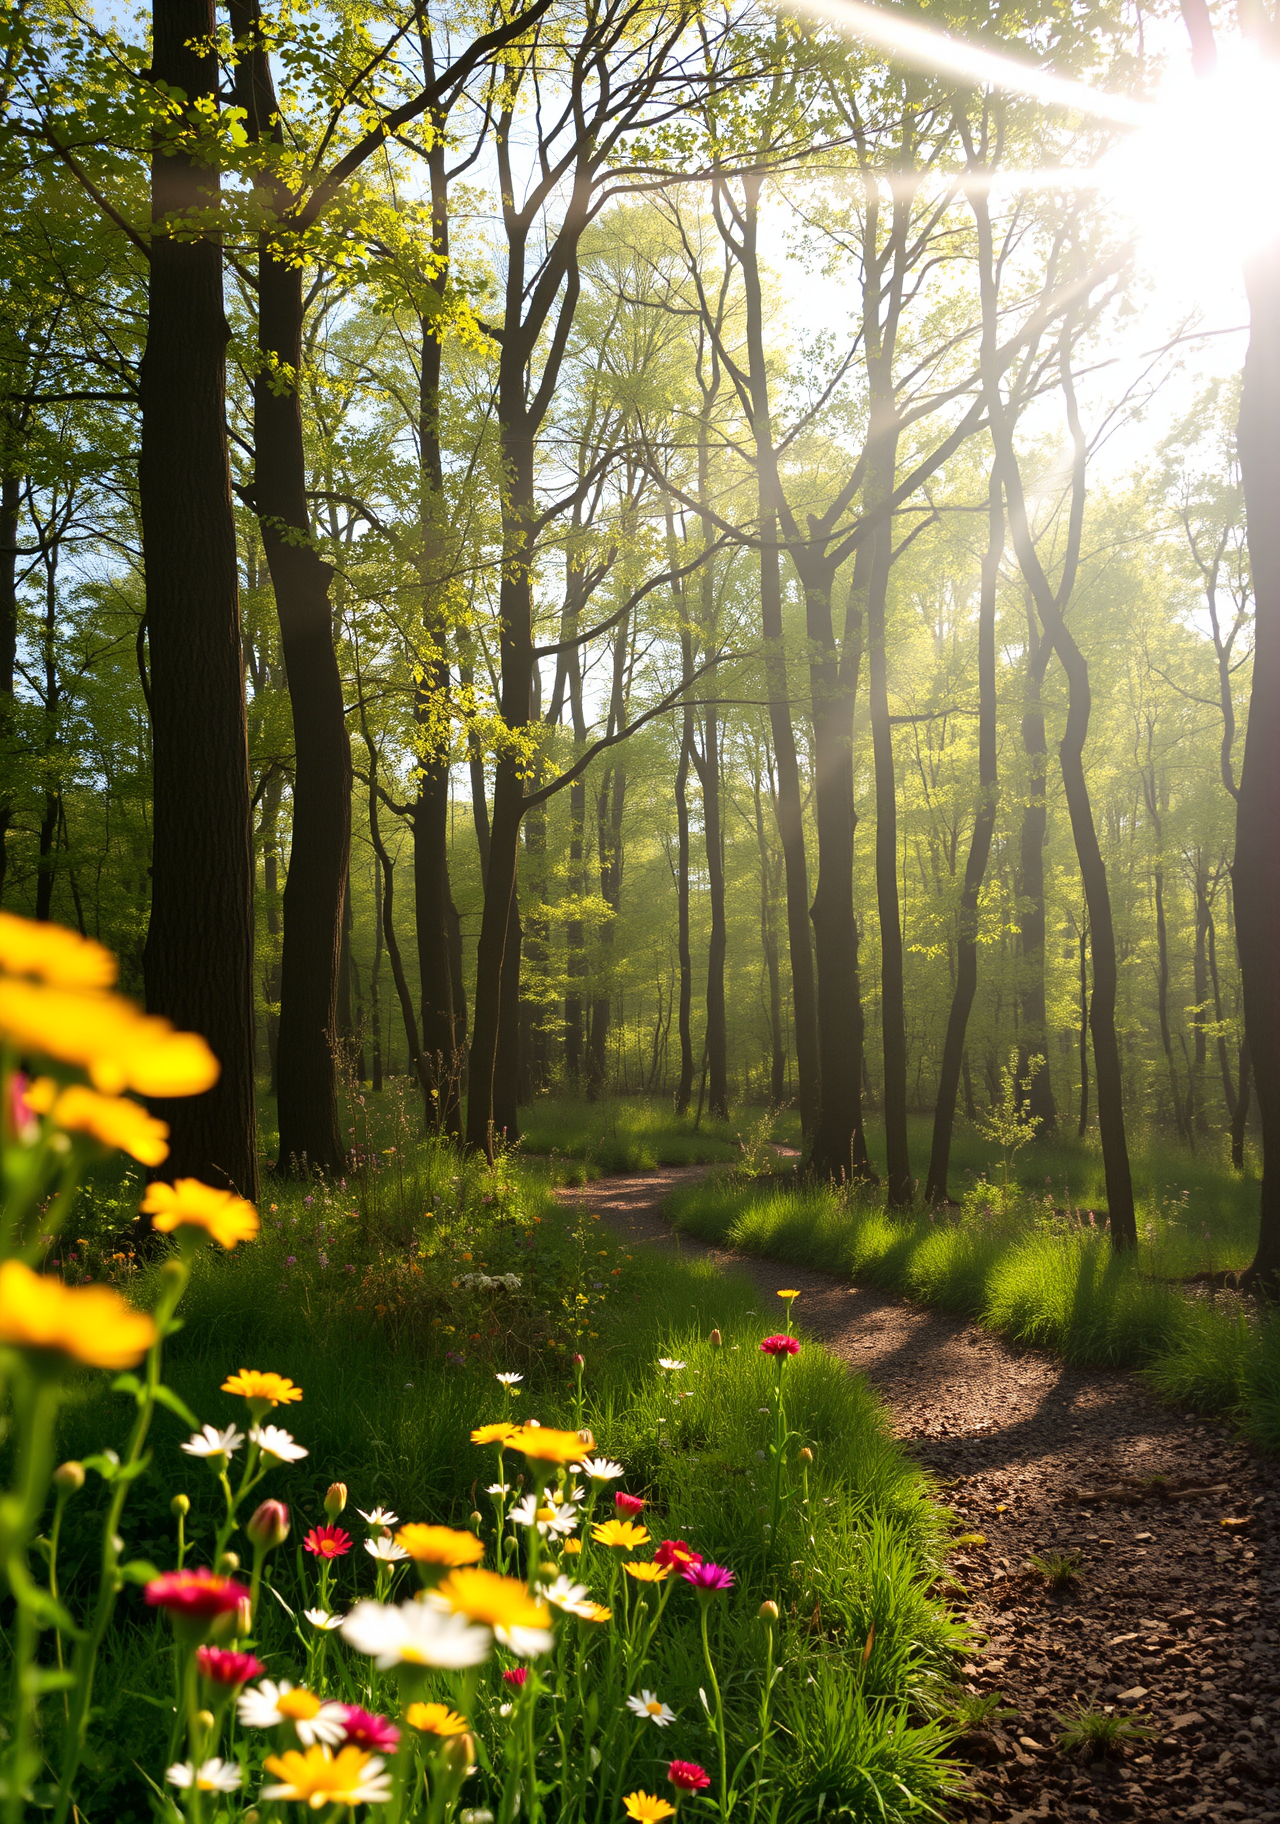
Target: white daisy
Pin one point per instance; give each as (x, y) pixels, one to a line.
(547, 1518)
(415, 1634)
(600, 1469)
(373, 1788)
(526, 1643)
(671, 1367)
(498, 1488)
(275, 1442)
(381, 1516)
(573, 1598)
(267, 1705)
(385, 1550)
(649, 1707)
(210, 1442)
(508, 1380)
(209, 1776)
(322, 1619)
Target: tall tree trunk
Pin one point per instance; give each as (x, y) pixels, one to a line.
(1082, 1042)
(375, 976)
(984, 823)
(1032, 1009)
(198, 961)
(1197, 1117)
(310, 1137)
(1151, 794)
(10, 512)
(769, 944)
(272, 792)
(386, 863)
(708, 765)
(575, 938)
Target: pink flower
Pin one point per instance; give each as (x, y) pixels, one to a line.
(223, 1667)
(710, 1578)
(515, 1675)
(677, 1553)
(327, 1542)
(688, 1776)
(268, 1525)
(362, 1729)
(628, 1506)
(195, 1595)
(780, 1345)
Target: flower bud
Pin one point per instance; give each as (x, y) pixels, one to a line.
(180, 1506)
(458, 1752)
(587, 1438)
(69, 1478)
(228, 1564)
(174, 1272)
(579, 1361)
(336, 1499)
(233, 1623)
(207, 1720)
(268, 1527)
(476, 1519)
(768, 1612)
(806, 1455)
(716, 1339)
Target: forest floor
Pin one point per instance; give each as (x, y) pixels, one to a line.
(1173, 1617)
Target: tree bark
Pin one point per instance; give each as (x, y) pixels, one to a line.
(10, 512)
(198, 961)
(769, 944)
(1034, 1035)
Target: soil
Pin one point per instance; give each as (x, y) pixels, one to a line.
(1172, 1616)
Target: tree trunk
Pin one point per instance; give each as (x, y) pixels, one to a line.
(984, 824)
(717, 1028)
(1034, 1035)
(1151, 794)
(10, 511)
(684, 1019)
(1197, 1116)
(769, 944)
(575, 938)
(1082, 1043)
(198, 961)
(321, 835)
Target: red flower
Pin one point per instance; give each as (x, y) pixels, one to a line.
(628, 1506)
(222, 1667)
(780, 1345)
(362, 1729)
(195, 1595)
(677, 1554)
(515, 1675)
(327, 1542)
(688, 1776)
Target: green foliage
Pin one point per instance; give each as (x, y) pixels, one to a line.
(1093, 1732)
(1060, 1570)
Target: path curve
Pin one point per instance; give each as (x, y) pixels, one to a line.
(1175, 1617)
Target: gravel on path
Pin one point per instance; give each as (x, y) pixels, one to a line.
(1173, 1618)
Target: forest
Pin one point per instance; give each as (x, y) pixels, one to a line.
(430, 435)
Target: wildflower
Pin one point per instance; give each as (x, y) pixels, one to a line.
(780, 1345)
(223, 1667)
(363, 1729)
(327, 1542)
(548, 1518)
(113, 1121)
(69, 1477)
(210, 1776)
(789, 1292)
(716, 1340)
(668, 1365)
(322, 1619)
(572, 1547)
(385, 1550)
(119, 1046)
(198, 1595)
(628, 1506)
(318, 1778)
(494, 1434)
(620, 1535)
(268, 1525)
(273, 1442)
(436, 1719)
(414, 1634)
(687, 1776)
(262, 1390)
(381, 1517)
(439, 1545)
(547, 1446)
(210, 1442)
(269, 1704)
(569, 1596)
(500, 1603)
(651, 1707)
(647, 1573)
(516, 1675)
(708, 1579)
(335, 1499)
(647, 1807)
(508, 1380)
(600, 1469)
(196, 1210)
(90, 1324)
(498, 1488)
(768, 1612)
(676, 1553)
(53, 954)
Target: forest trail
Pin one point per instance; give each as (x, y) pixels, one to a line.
(1174, 1617)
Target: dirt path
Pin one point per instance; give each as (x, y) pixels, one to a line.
(1175, 1617)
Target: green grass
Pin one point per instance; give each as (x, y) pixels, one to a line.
(630, 1134)
(397, 1360)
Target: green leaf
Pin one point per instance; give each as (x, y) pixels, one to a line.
(138, 1570)
(129, 1383)
(167, 1397)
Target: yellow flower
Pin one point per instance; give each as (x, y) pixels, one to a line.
(789, 1293)
(593, 1611)
(492, 1434)
(119, 1046)
(623, 1535)
(54, 954)
(90, 1324)
(547, 1446)
(499, 1602)
(439, 1545)
(188, 1204)
(647, 1573)
(435, 1719)
(572, 1547)
(645, 1807)
(319, 1777)
(111, 1120)
(262, 1389)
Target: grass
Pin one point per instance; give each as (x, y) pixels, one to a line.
(629, 1134)
(360, 1293)
(1092, 1733)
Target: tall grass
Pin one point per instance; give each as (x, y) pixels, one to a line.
(627, 1134)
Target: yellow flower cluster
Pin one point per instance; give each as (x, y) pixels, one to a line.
(89, 1324)
(440, 1545)
(188, 1204)
(113, 1121)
